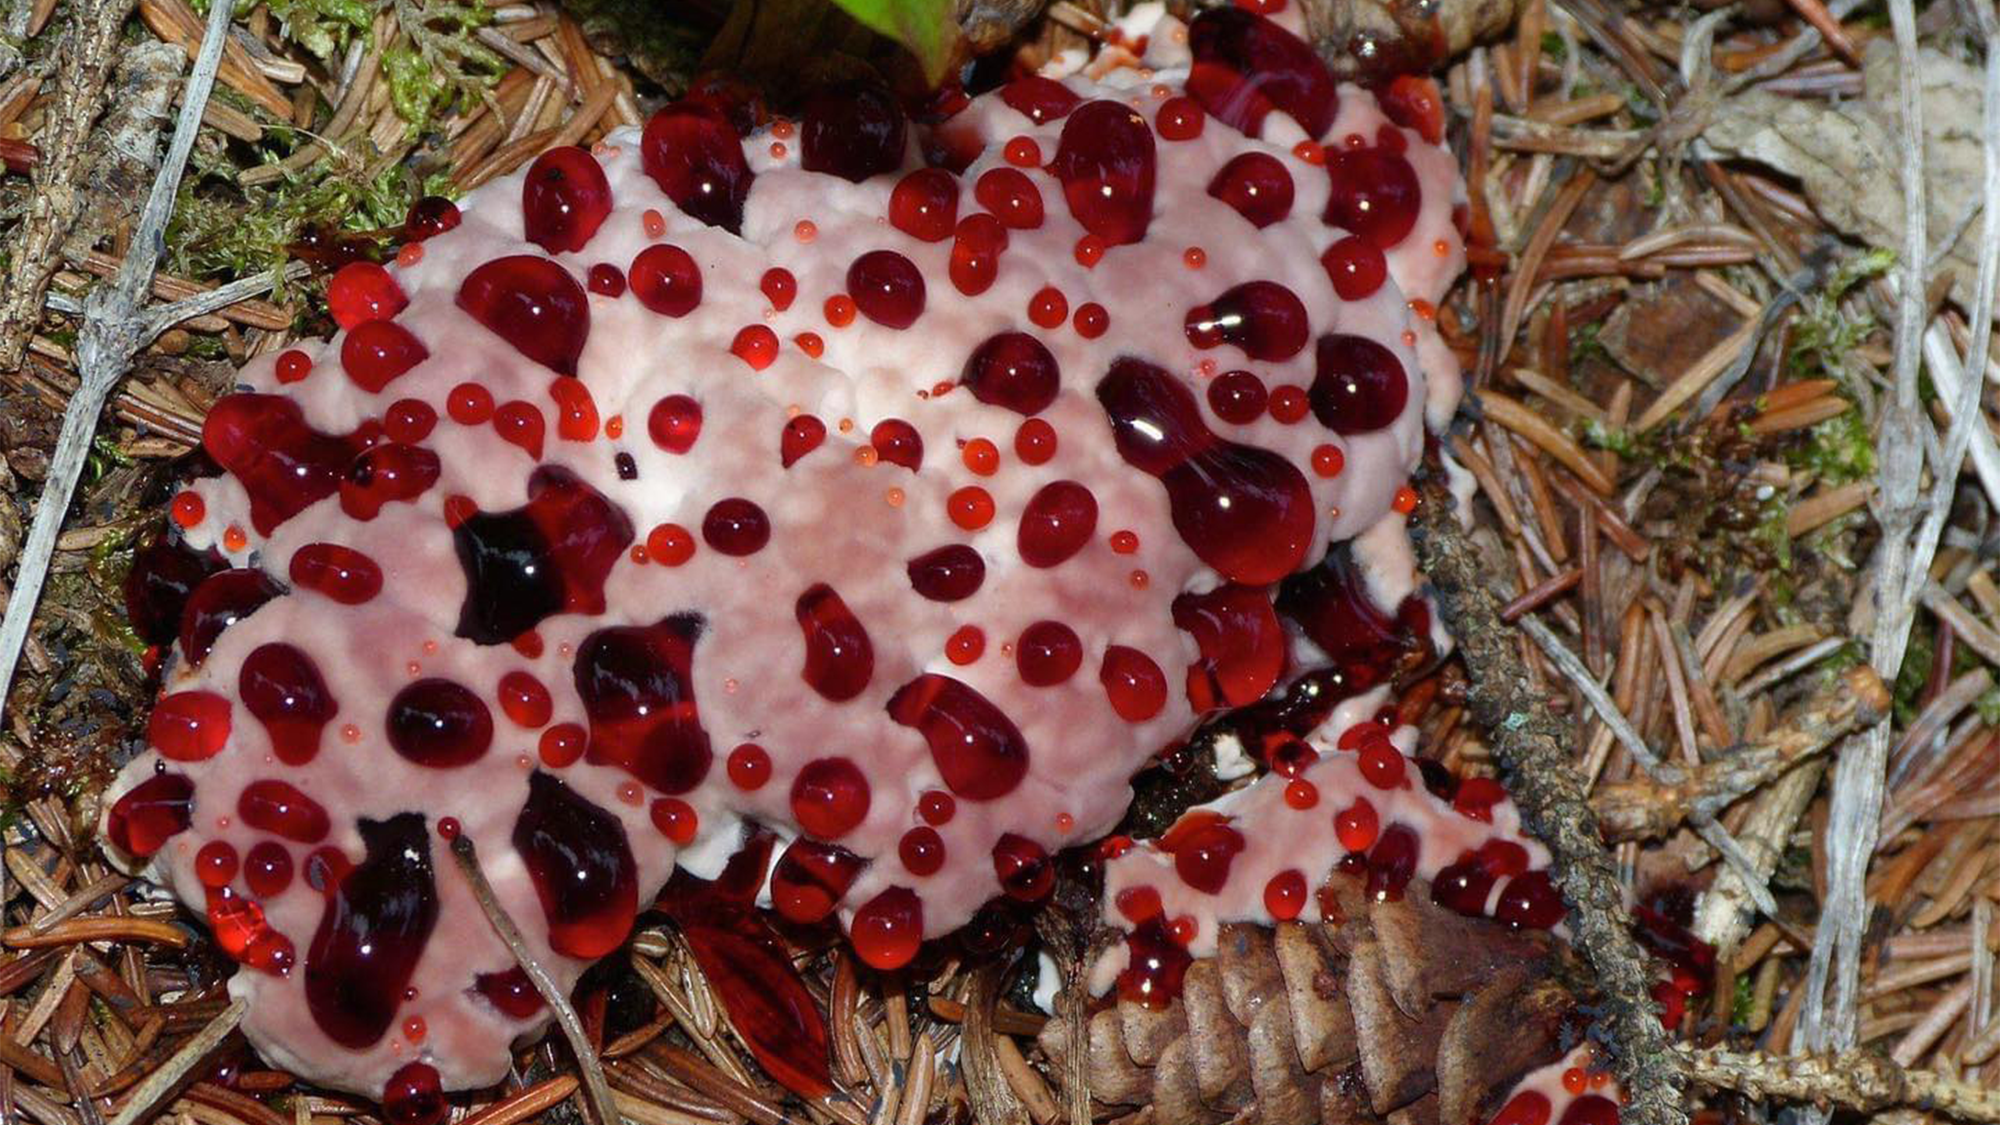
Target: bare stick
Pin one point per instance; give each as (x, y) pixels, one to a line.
(114, 329)
(161, 1082)
(595, 1090)
(1856, 1080)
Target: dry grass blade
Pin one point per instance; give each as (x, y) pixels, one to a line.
(161, 1083)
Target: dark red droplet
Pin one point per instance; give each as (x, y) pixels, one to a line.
(830, 797)
(1265, 319)
(582, 867)
(977, 749)
(1013, 370)
(533, 304)
(1011, 197)
(564, 199)
(810, 879)
(666, 279)
(976, 247)
(278, 807)
(414, 1096)
(189, 726)
(1257, 185)
(363, 291)
(1330, 603)
(888, 929)
(222, 599)
(1357, 267)
(385, 474)
(1375, 194)
(1463, 887)
(283, 689)
(1057, 522)
(1392, 863)
(800, 436)
(1157, 964)
(378, 352)
(1241, 643)
(341, 573)
(636, 683)
(1048, 653)
(165, 573)
(511, 992)
(605, 280)
(736, 527)
(1237, 397)
(839, 658)
(922, 851)
(378, 918)
(285, 465)
(1023, 868)
(267, 869)
(550, 556)
(896, 442)
(1245, 511)
(439, 723)
(1042, 99)
(1203, 845)
(693, 153)
(150, 813)
(525, 700)
(1133, 683)
(1105, 161)
(948, 574)
(1245, 66)
(429, 217)
(1529, 901)
(924, 204)
(1358, 384)
(887, 288)
(674, 423)
(853, 130)
(1529, 1107)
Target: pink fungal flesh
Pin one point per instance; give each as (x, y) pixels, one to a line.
(698, 479)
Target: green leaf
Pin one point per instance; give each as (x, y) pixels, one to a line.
(925, 27)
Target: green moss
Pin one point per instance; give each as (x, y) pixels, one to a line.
(1838, 450)
(437, 63)
(323, 27)
(1553, 47)
(215, 235)
(1916, 670)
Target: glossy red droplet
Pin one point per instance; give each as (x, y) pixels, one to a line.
(1013, 370)
(1257, 185)
(1476, 797)
(1023, 868)
(605, 280)
(839, 658)
(511, 992)
(830, 797)
(220, 601)
(189, 726)
(922, 851)
(1133, 683)
(924, 204)
(282, 688)
(1041, 99)
(150, 813)
(977, 749)
(896, 442)
(267, 869)
(1358, 385)
(800, 436)
(1180, 119)
(676, 820)
(1035, 442)
(1057, 522)
(1106, 163)
(341, 573)
(1392, 863)
(285, 465)
(1048, 653)
(533, 304)
(414, 1096)
(215, 864)
(887, 288)
(1375, 194)
(439, 723)
(363, 291)
(948, 574)
(810, 878)
(1529, 901)
(429, 217)
(521, 424)
(1356, 266)
(736, 527)
(1529, 1107)
(564, 199)
(387, 473)
(637, 686)
(1266, 320)
(1463, 887)
(1237, 397)
(888, 929)
(665, 279)
(1242, 646)
(693, 153)
(1203, 845)
(278, 807)
(1245, 66)
(749, 767)
(1285, 894)
(561, 745)
(853, 130)
(1010, 196)
(581, 865)
(1245, 511)
(674, 423)
(756, 345)
(525, 700)
(377, 919)
(976, 246)
(377, 353)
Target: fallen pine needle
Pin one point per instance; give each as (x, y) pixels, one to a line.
(147, 1096)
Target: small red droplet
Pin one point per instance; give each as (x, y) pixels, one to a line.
(922, 851)
(188, 509)
(1092, 320)
(779, 287)
(524, 700)
(293, 365)
(561, 745)
(1356, 826)
(970, 507)
(669, 544)
(755, 345)
(1285, 894)
(1180, 119)
(361, 292)
(1048, 308)
(341, 573)
(749, 767)
(965, 645)
(676, 820)
(1022, 152)
(1035, 442)
(469, 404)
(674, 423)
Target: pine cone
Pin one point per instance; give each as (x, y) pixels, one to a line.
(1405, 1012)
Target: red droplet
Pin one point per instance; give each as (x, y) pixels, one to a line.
(1476, 797)
(524, 700)
(1463, 887)
(1023, 867)
(561, 745)
(1041, 99)
(1356, 266)
(511, 992)
(1383, 766)
(360, 292)
(736, 527)
(292, 366)
(285, 465)
(948, 574)
(896, 442)
(1414, 102)
(1035, 442)
(378, 917)
(378, 352)
(779, 287)
(1245, 66)
(582, 868)
(756, 345)
(429, 217)
(282, 688)
(1529, 1107)
(1013, 370)
(924, 204)
(279, 808)
(1180, 119)
(1203, 846)
(576, 409)
(1092, 320)
(385, 474)
(533, 304)
(1237, 397)
(1106, 164)
(340, 573)
(922, 851)
(521, 424)
(564, 199)
(189, 726)
(1285, 894)
(267, 869)
(977, 749)
(1011, 196)
(1048, 308)
(150, 813)
(1392, 863)
(1356, 826)
(666, 279)
(1245, 511)
(975, 253)
(1265, 319)
(676, 820)
(692, 152)
(637, 686)
(215, 864)
(936, 806)
(801, 436)
(1048, 653)
(749, 767)
(1257, 185)
(839, 658)
(809, 879)
(1529, 901)
(1057, 522)
(1242, 645)
(605, 280)
(1358, 386)
(221, 600)
(887, 288)
(1152, 978)
(1133, 683)
(674, 423)
(853, 130)
(469, 404)
(1375, 194)
(414, 1096)
(439, 723)
(1591, 1109)
(888, 929)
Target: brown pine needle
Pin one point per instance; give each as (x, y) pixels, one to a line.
(144, 1100)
